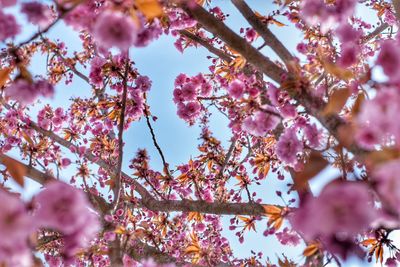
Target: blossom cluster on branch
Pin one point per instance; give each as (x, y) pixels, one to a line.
(331, 103)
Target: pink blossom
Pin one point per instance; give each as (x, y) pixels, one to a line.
(37, 13)
(22, 91)
(389, 59)
(8, 26)
(128, 261)
(143, 83)
(347, 34)
(388, 183)
(342, 210)
(65, 162)
(148, 34)
(348, 56)
(62, 207)
(15, 223)
(113, 29)
(26, 92)
(377, 120)
(301, 48)
(95, 74)
(44, 88)
(260, 123)
(189, 111)
(181, 79)
(288, 237)
(7, 3)
(251, 35)
(313, 135)
(319, 12)
(236, 89)
(288, 147)
(189, 91)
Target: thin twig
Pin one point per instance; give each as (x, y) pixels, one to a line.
(117, 188)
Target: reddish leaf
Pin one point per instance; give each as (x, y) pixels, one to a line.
(336, 101)
(15, 168)
(316, 163)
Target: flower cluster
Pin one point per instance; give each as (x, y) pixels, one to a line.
(336, 216)
(58, 207)
(26, 92)
(319, 12)
(186, 91)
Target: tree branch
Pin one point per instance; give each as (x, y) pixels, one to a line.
(270, 39)
(219, 29)
(219, 53)
(117, 177)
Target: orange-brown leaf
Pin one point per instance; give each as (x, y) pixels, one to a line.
(271, 209)
(311, 249)
(150, 8)
(336, 101)
(368, 242)
(337, 71)
(316, 163)
(4, 76)
(15, 168)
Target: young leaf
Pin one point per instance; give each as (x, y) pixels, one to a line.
(316, 163)
(15, 168)
(150, 8)
(4, 76)
(336, 101)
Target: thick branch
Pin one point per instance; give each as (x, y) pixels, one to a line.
(270, 39)
(252, 55)
(219, 208)
(165, 205)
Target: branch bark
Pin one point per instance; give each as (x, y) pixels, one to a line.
(270, 39)
(219, 29)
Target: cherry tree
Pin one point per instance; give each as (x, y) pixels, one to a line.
(330, 104)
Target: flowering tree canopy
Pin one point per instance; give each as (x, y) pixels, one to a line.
(330, 104)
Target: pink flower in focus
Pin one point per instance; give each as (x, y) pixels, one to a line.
(260, 123)
(113, 29)
(288, 237)
(95, 74)
(236, 89)
(189, 111)
(189, 92)
(288, 146)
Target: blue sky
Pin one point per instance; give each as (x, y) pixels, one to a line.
(162, 63)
